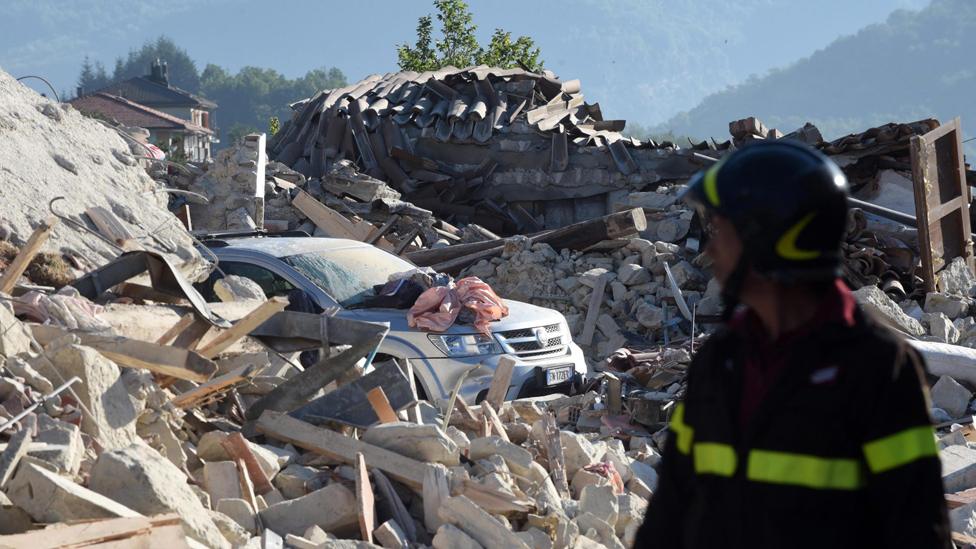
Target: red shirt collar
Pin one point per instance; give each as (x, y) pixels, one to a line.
(837, 306)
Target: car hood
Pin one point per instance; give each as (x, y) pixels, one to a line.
(520, 315)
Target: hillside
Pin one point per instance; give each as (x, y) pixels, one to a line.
(914, 65)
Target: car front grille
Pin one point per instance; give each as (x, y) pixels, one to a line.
(530, 343)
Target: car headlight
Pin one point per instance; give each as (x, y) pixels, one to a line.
(466, 344)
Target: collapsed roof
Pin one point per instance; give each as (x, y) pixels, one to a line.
(454, 138)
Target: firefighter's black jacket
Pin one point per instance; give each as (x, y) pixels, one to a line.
(839, 454)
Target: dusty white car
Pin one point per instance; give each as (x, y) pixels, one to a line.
(340, 273)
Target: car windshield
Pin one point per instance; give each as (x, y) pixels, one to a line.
(348, 274)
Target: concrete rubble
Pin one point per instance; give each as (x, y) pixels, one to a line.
(157, 426)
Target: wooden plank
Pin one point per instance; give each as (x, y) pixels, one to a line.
(115, 532)
(500, 382)
(332, 222)
(614, 399)
(132, 353)
(365, 500)
(454, 397)
(109, 225)
(17, 267)
(342, 448)
(376, 234)
(554, 449)
(496, 423)
(216, 385)
(239, 450)
(593, 311)
(181, 324)
(191, 336)
(247, 486)
(405, 241)
(477, 523)
(381, 405)
(16, 449)
(243, 327)
(413, 411)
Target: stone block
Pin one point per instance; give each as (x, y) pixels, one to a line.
(292, 480)
(449, 536)
(237, 288)
(332, 508)
(102, 391)
(632, 274)
(952, 306)
(577, 452)
(645, 473)
(422, 442)
(14, 335)
(239, 511)
(68, 447)
(49, 497)
(140, 478)
(958, 468)
(873, 300)
(222, 480)
(600, 501)
(583, 478)
(957, 279)
(952, 397)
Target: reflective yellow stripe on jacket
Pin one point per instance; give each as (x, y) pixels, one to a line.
(900, 449)
(804, 470)
(810, 471)
(682, 431)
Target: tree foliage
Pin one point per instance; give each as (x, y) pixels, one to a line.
(93, 76)
(458, 45)
(246, 100)
(182, 70)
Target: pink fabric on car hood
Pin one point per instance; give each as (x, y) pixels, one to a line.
(437, 308)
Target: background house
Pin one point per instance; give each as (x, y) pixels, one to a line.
(156, 93)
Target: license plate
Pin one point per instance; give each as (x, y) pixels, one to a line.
(562, 374)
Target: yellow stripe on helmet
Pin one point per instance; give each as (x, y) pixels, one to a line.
(711, 184)
(786, 246)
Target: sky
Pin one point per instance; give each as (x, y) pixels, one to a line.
(643, 61)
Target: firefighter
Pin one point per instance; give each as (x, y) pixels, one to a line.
(805, 422)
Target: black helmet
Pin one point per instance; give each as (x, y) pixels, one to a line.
(788, 203)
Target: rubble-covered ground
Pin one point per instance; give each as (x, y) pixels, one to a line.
(128, 417)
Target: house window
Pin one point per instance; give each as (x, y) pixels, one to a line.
(205, 119)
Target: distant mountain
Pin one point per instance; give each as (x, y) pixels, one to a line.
(917, 64)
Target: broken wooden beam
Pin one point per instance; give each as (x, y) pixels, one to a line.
(240, 450)
(30, 250)
(216, 385)
(175, 330)
(381, 405)
(132, 353)
(337, 446)
(500, 382)
(365, 500)
(243, 327)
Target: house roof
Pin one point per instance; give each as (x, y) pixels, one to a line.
(147, 92)
(131, 113)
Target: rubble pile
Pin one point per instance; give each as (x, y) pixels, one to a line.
(125, 442)
(71, 164)
(507, 149)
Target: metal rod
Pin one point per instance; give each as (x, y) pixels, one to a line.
(888, 213)
(34, 406)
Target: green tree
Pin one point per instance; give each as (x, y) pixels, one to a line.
(182, 70)
(93, 76)
(248, 99)
(459, 47)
